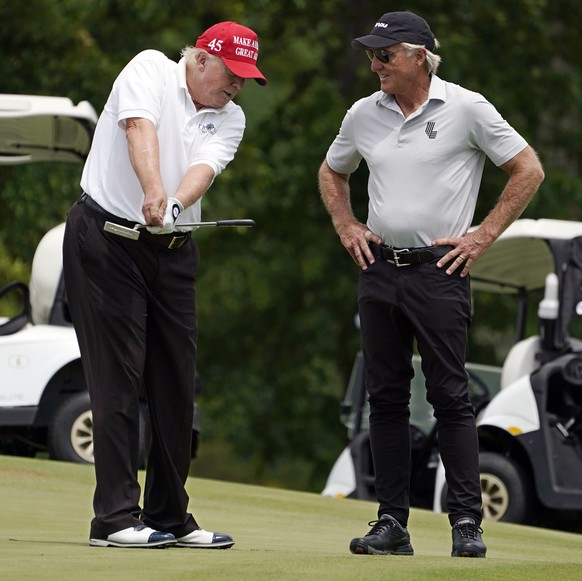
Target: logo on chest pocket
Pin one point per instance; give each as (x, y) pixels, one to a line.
(430, 130)
(207, 128)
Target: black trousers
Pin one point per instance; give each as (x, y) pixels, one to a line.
(396, 306)
(132, 303)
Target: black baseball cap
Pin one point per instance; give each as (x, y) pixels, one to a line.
(395, 27)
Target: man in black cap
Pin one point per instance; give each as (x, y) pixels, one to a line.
(425, 142)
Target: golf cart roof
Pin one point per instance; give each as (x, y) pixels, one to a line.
(522, 256)
(35, 128)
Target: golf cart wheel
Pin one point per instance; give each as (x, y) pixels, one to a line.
(504, 488)
(506, 494)
(70, 436)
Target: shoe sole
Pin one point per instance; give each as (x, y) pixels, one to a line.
(105, 543)
(360, 549)
(224, 545)
(470, 554)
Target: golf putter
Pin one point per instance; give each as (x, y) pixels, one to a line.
(134, 233)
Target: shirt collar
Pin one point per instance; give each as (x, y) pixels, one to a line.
(182, 74)
(437, 89)
(436, 92)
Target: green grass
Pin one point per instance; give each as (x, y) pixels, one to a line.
(45, 509)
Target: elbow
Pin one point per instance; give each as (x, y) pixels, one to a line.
(538, 174)
(130, 128)
(324, 169)
(541, 176)
(537, 177)
(325, 172)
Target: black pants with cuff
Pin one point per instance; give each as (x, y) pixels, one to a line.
(132, 303)
(396, 306)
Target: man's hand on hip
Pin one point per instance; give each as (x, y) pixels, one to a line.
(466, 250)
(356, 238)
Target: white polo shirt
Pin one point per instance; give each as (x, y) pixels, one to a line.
(153, 87)
(425, 170)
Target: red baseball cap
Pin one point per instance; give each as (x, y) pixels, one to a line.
(237, 46)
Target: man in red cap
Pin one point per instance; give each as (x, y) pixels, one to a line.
(167, 130)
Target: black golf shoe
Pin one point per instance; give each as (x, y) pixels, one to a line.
(467, 541)
(386, 537)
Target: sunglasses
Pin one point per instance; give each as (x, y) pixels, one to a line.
(381, 54)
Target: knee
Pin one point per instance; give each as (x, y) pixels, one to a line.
(447, 404)
(389, 408)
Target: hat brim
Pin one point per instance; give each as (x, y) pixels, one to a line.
(245, 70)
(373, 41)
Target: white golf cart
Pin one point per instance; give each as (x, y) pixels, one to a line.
(529, 413)
(44, 403)
(530, 433)
(43, 398)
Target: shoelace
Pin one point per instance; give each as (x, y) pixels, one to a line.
(379, 526)
(468, 531)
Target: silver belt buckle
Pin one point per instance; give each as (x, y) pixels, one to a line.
(395, 254)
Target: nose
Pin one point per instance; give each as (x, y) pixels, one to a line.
(376, 64)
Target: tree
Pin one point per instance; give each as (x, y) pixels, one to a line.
(277, 302)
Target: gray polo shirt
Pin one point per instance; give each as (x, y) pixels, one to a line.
(425, 170)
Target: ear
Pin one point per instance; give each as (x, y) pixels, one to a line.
(420, 56)
(201, 59)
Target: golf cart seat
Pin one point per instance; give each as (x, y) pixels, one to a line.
(14, 324)
(47, 291)
(521, 360)
(524, 358)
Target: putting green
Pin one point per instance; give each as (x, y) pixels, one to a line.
(45, 509)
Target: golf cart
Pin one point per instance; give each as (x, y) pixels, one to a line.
(44, 403)
(352, 475)
(43, 398)
(530, 433)
(529, 412)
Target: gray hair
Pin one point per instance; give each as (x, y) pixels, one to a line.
(190, 53)
(432, 60)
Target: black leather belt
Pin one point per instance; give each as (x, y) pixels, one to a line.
(171, 241)
(408, 256)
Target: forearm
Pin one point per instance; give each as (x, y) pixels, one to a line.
(335, 193)
(194, 184)
(144, 155)
(526, 175)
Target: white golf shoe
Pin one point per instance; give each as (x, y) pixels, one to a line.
(139, 537)
(201, 539)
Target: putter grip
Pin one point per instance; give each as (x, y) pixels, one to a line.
(235, 223)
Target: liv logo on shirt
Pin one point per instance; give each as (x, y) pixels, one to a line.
(430, 130)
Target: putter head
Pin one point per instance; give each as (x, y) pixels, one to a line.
(119, 230)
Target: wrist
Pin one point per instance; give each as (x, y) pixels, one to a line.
(343, 224)
(176, 207)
